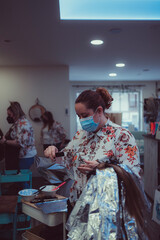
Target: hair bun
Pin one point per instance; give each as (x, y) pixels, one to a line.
(107, 98)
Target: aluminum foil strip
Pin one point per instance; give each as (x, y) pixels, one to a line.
(97, 214)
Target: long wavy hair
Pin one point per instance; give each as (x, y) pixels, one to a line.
(50, 119)
(16, 109)
(134, 200)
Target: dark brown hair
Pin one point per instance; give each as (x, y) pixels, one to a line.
(134, 200)
(16, 109)
(93, 99)
(50, 119)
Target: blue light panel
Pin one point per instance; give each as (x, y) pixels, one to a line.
(109, 9)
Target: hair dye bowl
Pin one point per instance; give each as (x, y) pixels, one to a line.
(49, 190)
(28, 194)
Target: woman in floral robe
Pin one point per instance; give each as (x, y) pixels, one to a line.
(99, 140)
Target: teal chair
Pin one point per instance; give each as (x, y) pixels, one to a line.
(8, 214)
(11, 176)
(15, 216)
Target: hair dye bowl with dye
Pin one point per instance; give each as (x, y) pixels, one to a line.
(28, 194)
(49, 190)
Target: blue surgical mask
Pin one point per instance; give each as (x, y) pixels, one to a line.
(88, 124)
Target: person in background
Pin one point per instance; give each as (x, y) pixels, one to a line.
(99, 140)
(1, 146)
(1, 134)
(20, 136)
(52, 132)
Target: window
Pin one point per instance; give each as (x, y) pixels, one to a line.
(126, 102)
(77, 119)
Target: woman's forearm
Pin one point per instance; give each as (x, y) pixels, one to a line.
(12, 142)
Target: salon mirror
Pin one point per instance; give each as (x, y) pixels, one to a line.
(36, 111)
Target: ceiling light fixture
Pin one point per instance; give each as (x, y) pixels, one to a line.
(120, 64)
(112, 74)
(109, 10)
(97, 42)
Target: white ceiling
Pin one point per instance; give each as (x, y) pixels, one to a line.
(37, 36)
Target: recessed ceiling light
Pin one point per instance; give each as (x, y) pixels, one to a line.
(112, 74)
(97, 42)
(120, 65)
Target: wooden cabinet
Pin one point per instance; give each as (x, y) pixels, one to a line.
(151, 165)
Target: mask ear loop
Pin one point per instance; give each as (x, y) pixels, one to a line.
(97, 112)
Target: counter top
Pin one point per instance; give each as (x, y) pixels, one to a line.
(151, 137)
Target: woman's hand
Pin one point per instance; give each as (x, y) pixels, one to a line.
(88, 167)
(50, 152)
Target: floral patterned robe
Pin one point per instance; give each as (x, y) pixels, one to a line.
(111, 141)
(22, 131)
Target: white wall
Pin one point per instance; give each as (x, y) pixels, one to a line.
(49, 84)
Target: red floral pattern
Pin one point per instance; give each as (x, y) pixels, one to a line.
(54, 135)
(111, 141)
(22, 131)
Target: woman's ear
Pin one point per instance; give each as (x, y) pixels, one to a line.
(100, 110)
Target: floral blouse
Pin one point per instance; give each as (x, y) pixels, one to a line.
(54, 135)
(22, 131)
(111, 141)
